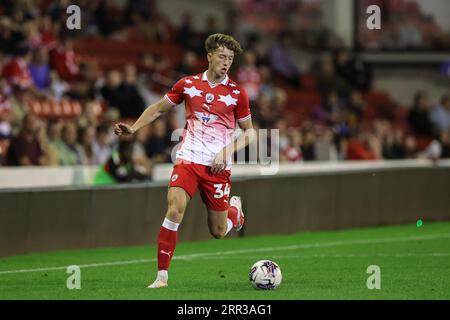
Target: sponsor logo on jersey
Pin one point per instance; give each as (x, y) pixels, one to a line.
(206, 118)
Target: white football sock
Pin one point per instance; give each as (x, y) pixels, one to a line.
(170, 225)
(163, 275)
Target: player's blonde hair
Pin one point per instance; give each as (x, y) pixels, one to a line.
(217, 40)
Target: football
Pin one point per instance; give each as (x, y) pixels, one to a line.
(265, 275)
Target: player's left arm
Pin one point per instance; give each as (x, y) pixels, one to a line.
(245, 138)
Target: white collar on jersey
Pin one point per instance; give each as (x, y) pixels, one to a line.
(224, 81)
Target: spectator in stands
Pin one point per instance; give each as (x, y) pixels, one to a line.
(58, 87)
(57, 9)
(328, 80)
(16, 70)
(352, 68)
(133, 101)
(393, 144)
(30, 147)
(359, 147)
(49, 32)
(145, 8)
(110, 16)
(11, 37)
(279, 101)
(158, 75)
(121, 166)
(122, 94)
(188, 65)
(157, 147)
(440, 115)
(308, 144)
(32, 34)
(248, 76)
(444, 139)
(88, 116)
(156, 29)
(108, 119)
(354, 109)
(86, 139)
(56, 145)
(185, 35)
(410, 147)
(325, 148)
(139, 152)
(419, 116)
(283, 63)
(267, 86)
(292, 152)
(410, 36)
(433, 151)
(102, 145)
(282, 126)
(327, 113)
(72, 149)
(110, 92)
(62, 59)
(40, 69)
(147, 64)
(6, 115)
(264, 113)
(19, 106)
(85, 88)
(210, 26)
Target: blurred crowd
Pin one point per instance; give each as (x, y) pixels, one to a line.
(38, 62)
(335, 132)
(405, 27)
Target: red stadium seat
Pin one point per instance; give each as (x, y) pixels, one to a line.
(62, 109)
(115, 54)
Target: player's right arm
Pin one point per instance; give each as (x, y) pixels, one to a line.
(148, 116)
(171, 99)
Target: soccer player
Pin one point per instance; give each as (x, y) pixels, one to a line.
(214, 103)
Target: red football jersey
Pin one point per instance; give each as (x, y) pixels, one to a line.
(211, 114)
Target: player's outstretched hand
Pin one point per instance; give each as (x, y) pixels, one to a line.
(219, 163)
(123, 129)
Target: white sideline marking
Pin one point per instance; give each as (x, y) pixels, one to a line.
(336, 255)
(243, 251)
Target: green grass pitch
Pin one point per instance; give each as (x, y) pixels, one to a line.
(414, 263)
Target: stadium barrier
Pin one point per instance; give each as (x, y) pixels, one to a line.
(59, 218)
(26, 177)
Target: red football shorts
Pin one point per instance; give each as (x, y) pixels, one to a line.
(214, 188)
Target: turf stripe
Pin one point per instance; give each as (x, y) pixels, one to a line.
(243, 251)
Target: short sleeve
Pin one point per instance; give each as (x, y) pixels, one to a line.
(242, 110)
(175, 95)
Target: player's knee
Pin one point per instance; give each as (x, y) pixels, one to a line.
(175, 212)
(218, 233)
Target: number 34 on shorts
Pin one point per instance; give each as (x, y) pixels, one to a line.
(221, 190)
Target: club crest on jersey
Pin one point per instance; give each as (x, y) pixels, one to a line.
(209, 98)
(174, 177)
(205, 118)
